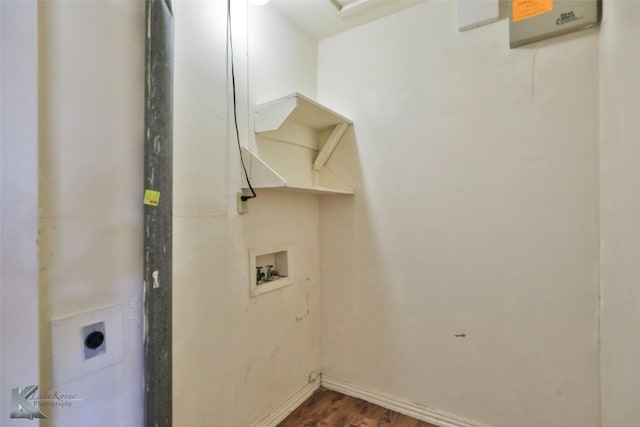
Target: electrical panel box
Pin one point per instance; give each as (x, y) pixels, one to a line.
(535, 20)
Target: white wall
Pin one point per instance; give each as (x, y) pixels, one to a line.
(236, 358)
(91, 147)
(476, 213)
(283, 58)
(19, 303)
(620, 210)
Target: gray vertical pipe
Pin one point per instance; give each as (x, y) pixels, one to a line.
(158, 176)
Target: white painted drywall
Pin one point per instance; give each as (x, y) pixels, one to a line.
(476, 213)
(283, 59)
(236, 358)
(19, 344)
(620, 212)
(91, 147)
(476, 13)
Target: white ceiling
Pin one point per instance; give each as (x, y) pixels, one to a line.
(322, 19)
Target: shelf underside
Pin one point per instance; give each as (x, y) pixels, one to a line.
(263, 176)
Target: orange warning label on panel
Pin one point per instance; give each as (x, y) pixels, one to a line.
(523, 9)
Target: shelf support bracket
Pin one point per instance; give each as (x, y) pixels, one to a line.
(330, 145)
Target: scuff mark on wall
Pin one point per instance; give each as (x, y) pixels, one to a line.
(302, 317)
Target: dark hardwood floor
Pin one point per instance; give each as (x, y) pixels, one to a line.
(326, 408)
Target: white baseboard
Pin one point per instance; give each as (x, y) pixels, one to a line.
(393, 403)
(289, 406)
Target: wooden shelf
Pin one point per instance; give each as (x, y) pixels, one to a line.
(296, 137)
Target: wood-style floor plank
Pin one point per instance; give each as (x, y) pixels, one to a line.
(326, 408)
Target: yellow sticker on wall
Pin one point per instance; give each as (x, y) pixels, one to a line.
(524, 9)
(151, 198)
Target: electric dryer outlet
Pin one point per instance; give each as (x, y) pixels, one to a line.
(94, 340)
(86, 342)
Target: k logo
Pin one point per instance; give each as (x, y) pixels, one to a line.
(21, 407)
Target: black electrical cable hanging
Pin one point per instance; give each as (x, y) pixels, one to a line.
(235, 106)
